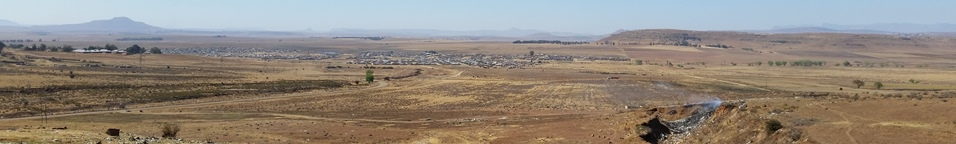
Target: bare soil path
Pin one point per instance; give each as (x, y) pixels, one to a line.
(380, 84)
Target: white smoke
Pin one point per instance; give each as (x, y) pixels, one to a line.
(665, 93)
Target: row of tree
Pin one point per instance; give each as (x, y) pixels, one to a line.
(43, 47)
(823, 63)
(141, 39)
(874, 64)
(17, 40)
(686, 43)
(719, 46)
(366, 38)
(549, 42)
(679, 43)
(793, 63)
(104, 47)
(807, 63)
(859, 83)
(135, 49)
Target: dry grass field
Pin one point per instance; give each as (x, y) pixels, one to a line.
(249, 100)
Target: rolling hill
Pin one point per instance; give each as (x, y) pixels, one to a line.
(674, 44)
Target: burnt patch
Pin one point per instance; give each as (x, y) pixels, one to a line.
(657, 131)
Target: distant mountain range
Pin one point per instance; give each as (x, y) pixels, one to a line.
(127, 25)
(8, 23)
(514, 32)
(509, 33)
(820, 30)
(882, 27)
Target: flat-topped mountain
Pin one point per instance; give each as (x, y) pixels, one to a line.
(760, 40)
(746, 46)
(117, 24)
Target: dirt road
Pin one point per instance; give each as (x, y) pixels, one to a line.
(380, 84)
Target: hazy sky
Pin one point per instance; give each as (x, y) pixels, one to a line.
(582, 16)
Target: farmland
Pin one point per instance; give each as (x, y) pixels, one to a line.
(314, 90)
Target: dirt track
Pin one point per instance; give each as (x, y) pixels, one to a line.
(380, 84)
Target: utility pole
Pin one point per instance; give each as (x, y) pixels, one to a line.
(221, 65)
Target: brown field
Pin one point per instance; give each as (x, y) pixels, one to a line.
(247, 100)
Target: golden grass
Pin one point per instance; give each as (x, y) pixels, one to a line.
(544, 103)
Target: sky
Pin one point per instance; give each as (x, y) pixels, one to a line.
(581, 16)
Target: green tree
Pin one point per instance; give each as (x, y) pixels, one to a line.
(2, 45)
(42, 47)
(67, 48)
(155, 50)
(847, 64)
(135, 49)
(858, 83)
(769, 63)
(369, 78)
(879, 85)
(112, 47)
(639, 62)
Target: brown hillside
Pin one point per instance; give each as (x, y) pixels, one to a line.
(824, 46)
(752, 40)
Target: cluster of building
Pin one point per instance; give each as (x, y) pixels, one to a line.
(479, 60)
(434, 58)
(261, 53)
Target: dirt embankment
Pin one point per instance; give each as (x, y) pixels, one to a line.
(727, 123)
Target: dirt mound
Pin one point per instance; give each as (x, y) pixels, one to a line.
(726, 123)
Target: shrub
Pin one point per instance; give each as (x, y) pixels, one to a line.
(369, 77)
(914, 81)
(170, 130)
(858, 83)
(772, 126)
